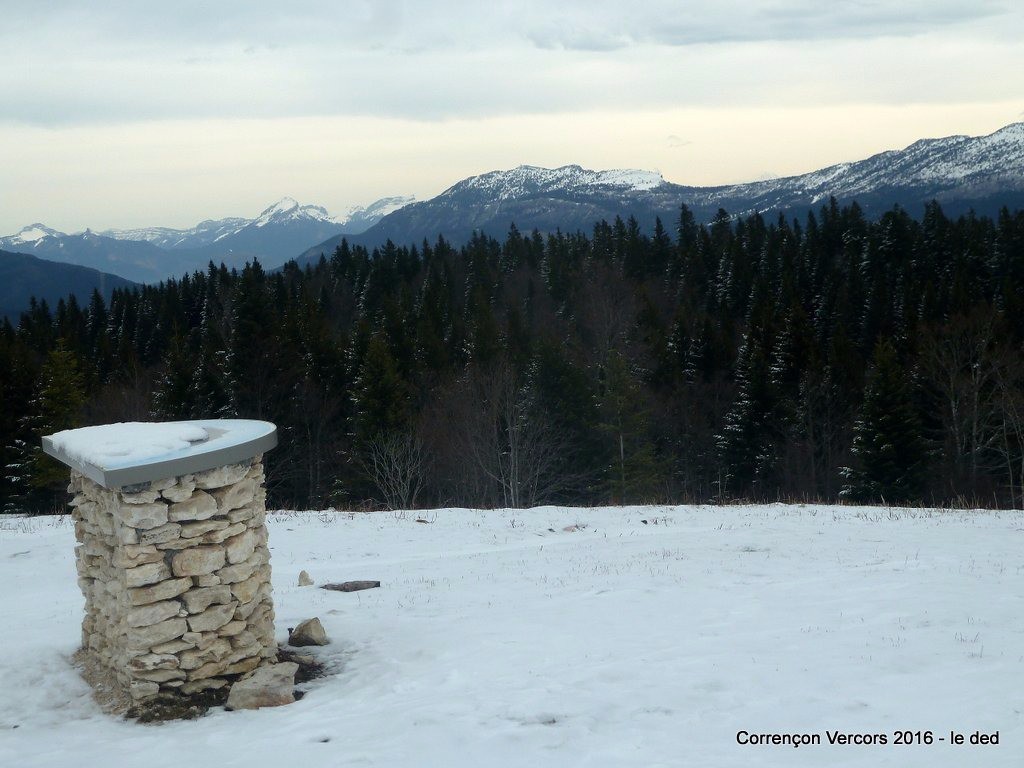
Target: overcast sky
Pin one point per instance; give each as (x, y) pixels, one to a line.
(167, 113)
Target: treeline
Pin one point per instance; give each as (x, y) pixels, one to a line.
(828, 358)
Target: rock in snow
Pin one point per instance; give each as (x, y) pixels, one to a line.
(270, 686)
(309, 632)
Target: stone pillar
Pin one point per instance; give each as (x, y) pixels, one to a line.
(176, 578)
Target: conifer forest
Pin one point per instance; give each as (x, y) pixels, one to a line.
(826, 357)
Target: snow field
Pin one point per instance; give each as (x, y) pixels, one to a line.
(499, 638)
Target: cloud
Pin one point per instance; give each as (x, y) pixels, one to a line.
(674, 141)
(128, 61)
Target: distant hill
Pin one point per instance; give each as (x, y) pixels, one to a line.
(961, 172)
(23, 276)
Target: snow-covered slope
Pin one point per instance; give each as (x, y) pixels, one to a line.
(526, 180)
(358, 218)
(958, 169)
(619, 637)
(28, 236)
(203, 233)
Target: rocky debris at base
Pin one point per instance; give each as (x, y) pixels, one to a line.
(269, 686)
(308, 632)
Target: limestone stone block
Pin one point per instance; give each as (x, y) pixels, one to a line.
(232, 628)
(161, 534)
(244, 639)
(180, 491)
(216, 537)
(269, 686)
(199, 599)
(245, 591)
(120, 560)
(207, 580)
(173, 647)
(103, 522)
(245, 610)
(234, 573)
(243, 514)
(142, 516)
(198, 506)
(197, 561)
(136, 487)
(192, 530)
(160, 675)
(212, 618)
(175, 544)
(148, 573)
(235, 496)
(193, 659)
(142, 689)
(198, 686)
(150, 661)
(135, 551)
(243, 666)
(140, 497)
(210, 669)
(308, 632)
(125, 534)
(221, 476)
(165, 590)
(154, 613)
(240, 547)
(155, 634)
(97, 548)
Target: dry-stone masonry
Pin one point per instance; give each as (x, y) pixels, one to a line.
(176, 578)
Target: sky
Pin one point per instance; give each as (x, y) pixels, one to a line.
(132, 113)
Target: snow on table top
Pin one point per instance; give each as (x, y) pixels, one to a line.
(165, 446)
(132, 442)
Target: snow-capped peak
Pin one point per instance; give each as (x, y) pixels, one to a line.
(284, 205)
(287, 209)
(531, 179)
(31, 234)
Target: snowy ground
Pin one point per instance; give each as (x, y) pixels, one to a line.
(499, 638)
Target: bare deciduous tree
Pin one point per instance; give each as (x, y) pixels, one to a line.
(1009, 379)
(496, 447)
(396, 463)
(961, 364)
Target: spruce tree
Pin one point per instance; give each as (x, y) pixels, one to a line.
(58, 406)
(890, 454)
(632, 470)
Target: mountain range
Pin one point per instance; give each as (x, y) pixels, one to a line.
(148, 255)
(961, 172)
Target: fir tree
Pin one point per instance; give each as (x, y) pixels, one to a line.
(633, 469)
(890, 454)
(58, 406)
